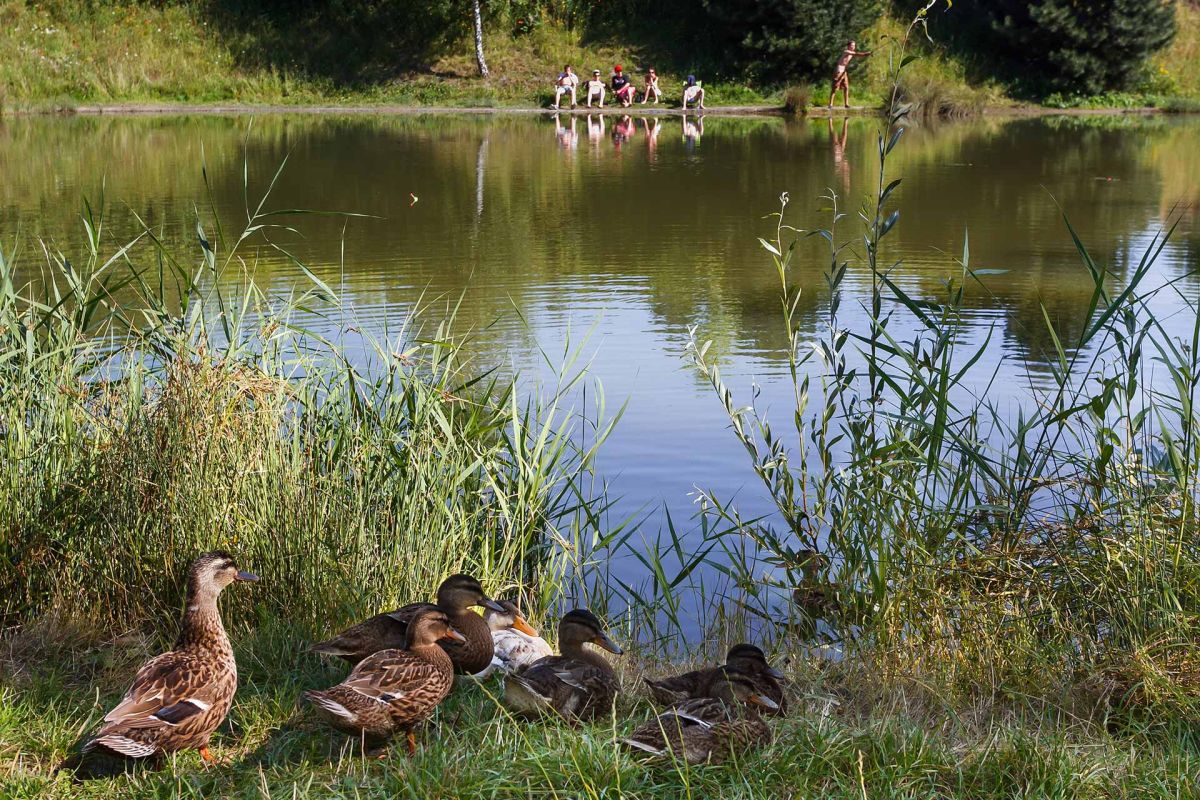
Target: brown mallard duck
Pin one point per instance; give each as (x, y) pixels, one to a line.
(579, 684)
(745, 658)
(457, 595)
(515, 643)
(393, 690)
(179, 698)
(710, 729)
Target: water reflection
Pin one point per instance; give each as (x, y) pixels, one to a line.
(648, 234)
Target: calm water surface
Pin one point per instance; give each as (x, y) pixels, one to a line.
(638, 230)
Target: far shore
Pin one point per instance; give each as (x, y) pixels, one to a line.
(134, 109)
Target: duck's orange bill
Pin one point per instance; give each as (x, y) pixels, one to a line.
(523, 626)
(454, 636)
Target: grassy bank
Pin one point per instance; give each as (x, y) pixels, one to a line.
(69, 53)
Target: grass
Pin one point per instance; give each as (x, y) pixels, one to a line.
(872, 744)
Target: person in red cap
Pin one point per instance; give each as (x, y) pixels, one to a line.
(622, 87)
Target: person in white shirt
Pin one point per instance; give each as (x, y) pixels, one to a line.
(595, 88)
(693, 91)
(565, 84)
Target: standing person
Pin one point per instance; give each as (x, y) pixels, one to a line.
(841, 73)
(622, 87)
(693, 91)
(651, 87)
(595, 87)
(565, 84)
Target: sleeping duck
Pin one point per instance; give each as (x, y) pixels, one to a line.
(394, 690)
(579, 684)
(709, 729)
(515, 643)
(180, 697)
(456, 596)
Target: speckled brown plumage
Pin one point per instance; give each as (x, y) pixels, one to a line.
(393, 690)
(744, 658)
(708, 729)
(180, 697)
(456, 596)
(579, 684)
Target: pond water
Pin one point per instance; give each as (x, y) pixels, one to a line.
(637, 230)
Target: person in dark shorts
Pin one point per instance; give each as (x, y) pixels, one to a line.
(841, 73)
(622, 87)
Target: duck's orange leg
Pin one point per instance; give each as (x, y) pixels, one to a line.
(412, 743)
(206, 756)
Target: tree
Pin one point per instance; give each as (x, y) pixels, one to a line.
(784, 40)
(483, 68)
(1067, 45)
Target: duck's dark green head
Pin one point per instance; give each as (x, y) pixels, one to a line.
(212, 572)
(460, 592)
(581, 626)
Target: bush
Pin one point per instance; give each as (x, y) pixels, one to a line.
(783, 40)
(1048, 46)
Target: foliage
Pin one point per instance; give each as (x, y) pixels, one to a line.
(777, 41)
(1065, 46)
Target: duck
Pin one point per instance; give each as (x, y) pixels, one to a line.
(709, 729)
(579, 684)
(515, 643)
(456, 596)
(395, 689)
(180, 697)
(745, 658)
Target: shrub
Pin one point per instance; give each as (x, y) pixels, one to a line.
(780, 40)
(1065, 46)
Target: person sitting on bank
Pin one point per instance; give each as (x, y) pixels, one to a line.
(595, 88)
(565, 84)
(622, 87)
(693, 91)
(651, 87)
(841, 72)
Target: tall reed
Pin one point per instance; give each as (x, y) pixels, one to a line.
(156, 406)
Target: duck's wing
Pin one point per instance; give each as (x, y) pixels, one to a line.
(394, 675)
(672, 690)
(169, 690)
(387, 631)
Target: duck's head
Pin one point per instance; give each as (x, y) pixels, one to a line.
(581, 626)
(430, 625)
(751, 660)
(212, 572)
(460, 592)
(509, 617)
(743, 688)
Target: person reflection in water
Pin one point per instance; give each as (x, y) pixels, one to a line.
(651, 136)
(595, 123)
(692, 131)
(841, 167)
(568, 137)
(622, 131)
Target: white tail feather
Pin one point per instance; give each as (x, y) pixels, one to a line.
(634, 743)
(327, 705)
(123, 745)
